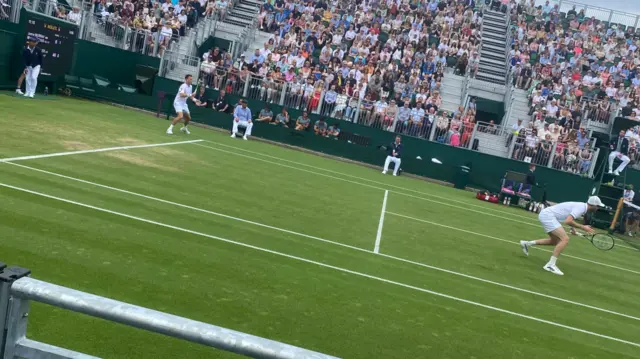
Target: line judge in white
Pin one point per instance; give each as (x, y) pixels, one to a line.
(185, 92)
(551, 219)
(32, 58)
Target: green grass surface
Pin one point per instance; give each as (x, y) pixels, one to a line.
(320, 211)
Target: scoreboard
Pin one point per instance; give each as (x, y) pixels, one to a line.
(56, 38)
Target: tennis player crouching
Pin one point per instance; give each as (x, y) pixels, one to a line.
(551, 217)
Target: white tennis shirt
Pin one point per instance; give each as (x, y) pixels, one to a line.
(184, 88)
(563, 210)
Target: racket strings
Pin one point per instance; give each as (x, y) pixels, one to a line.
(602, 241)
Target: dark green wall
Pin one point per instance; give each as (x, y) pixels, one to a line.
(9, 34)
(117, 65)
(213, 42)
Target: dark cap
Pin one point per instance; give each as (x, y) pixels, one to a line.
(32, 38)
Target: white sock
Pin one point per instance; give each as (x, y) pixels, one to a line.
(553, 260)
(171, 127)
(531, 243)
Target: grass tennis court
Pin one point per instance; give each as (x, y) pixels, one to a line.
(280, 244)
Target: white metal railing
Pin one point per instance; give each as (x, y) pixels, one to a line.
(16, 296)
(600, 13)
(175, 66)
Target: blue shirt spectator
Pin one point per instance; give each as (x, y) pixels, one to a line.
(242, 113)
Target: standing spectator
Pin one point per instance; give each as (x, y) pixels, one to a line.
(242, 117)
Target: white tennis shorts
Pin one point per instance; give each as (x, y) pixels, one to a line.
(180, 107)
(548, 220)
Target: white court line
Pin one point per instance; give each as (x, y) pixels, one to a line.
(120, 148)
(344, 270)
(368, 185)
(370, 180)
(508, 241)
(331, 242)
(376, 248)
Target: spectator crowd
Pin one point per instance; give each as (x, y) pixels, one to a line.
(381, 63)
(576, 70)
(369, 61)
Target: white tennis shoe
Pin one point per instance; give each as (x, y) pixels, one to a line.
(553, 269)
(185, 130)
(525, 247)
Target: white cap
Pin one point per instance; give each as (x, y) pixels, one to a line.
(595, 201)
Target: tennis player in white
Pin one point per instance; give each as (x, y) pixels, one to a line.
(551, 219)
(185, 92)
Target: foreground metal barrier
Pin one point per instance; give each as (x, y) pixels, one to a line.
(17, 290)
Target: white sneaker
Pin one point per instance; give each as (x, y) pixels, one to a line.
(26, 95)
(19, 92)
(610, 172)
(233, 135)
(384, 172)
(616, 173)
(395, 174)
(244, 137)
(185, 130)
(525, 247)
(630, 234)
(169, 131)
(553, 269)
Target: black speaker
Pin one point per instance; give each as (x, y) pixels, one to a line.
(145, 77)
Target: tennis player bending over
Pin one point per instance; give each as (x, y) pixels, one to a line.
(550, 217)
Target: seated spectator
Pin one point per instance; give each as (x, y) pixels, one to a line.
(221, 103)
(282, 118)
(265, 115)
(320, 127)
(303, 121)
(334, 130)
(202, 97)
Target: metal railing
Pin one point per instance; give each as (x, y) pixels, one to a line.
(175, 66)
(10, 10)
(598, 114)
(600, 13)
(17, 291)
(562, 155)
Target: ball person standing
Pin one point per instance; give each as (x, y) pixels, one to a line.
(32, 58)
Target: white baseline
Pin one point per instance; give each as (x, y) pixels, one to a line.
(333, 242)
(344, 270)
(376, 247)
(107, 149)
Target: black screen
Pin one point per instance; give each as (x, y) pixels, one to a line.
(56, 39)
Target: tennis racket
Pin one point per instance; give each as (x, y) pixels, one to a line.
(601, 241)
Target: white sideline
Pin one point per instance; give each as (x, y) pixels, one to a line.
(331, 242)
(107, 149)
(344, 270)
(368, 185)
(370, 180)
(376, 247)
(508, 241)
